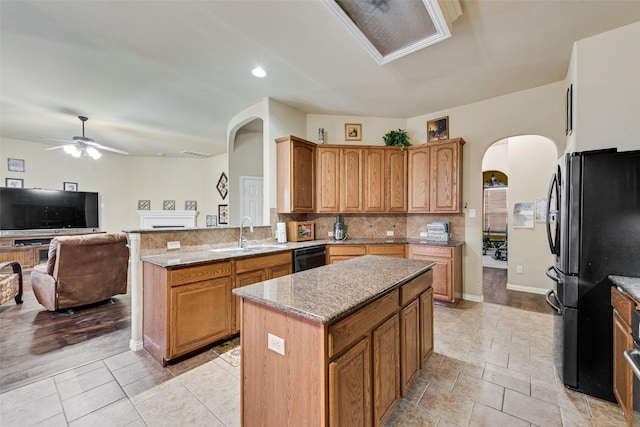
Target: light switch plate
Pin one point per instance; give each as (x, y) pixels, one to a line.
(173, 245)
(423, 234)
(472, 213)
(389, 233)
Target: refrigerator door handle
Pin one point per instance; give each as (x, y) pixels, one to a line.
(553, 185)
(552, 277)
(548, 296)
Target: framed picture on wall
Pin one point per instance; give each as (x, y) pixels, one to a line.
(70, 186)
(16, 165)
(223, 214)
(438, 129)
(14, 182)
(353, 132)
(223, 185)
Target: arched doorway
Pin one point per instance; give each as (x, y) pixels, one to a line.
(525, 164)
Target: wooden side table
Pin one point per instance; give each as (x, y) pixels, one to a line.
(11, 284)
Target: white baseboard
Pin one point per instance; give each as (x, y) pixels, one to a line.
(527, 289)
(135, 345)
(474, 298)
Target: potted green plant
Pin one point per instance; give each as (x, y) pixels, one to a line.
(398, 138)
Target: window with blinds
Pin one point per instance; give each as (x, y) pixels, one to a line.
(495, 209)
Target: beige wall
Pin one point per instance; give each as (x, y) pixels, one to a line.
(373, 128)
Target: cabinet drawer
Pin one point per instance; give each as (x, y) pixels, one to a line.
(433, 251)
(622, 304)
(395, 249)
(348, 250)
(263, 261)
(359, 324)
(181, 276)
(415, 287)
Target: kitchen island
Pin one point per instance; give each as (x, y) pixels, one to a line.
(337, 345)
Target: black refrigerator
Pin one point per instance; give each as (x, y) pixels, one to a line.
(593, 226)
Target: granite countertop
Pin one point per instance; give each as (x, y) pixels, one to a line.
(630, 285)
(328, 293)
(183, 258)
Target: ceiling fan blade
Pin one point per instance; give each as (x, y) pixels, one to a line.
(104, 147)
(55, 148)
(66, 141)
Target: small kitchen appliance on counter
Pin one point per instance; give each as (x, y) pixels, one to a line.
(300, 231)
(338, 229)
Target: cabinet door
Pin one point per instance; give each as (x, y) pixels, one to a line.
(374, 180)
(396, 181)
(418, 177)
(23, 255)
(442, 279)
(350, 387)
(303, 178)
(622, 373)
(386, 369)
(328, 179)
(245, 279)
(445, 175)
(409, 344)
(426, 327)
(351, 180)
(280, 270)
(200, 314)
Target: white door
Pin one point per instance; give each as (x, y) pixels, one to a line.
(252, 198)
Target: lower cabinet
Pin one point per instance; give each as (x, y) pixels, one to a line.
(348, 373)
(248, 271)
(343, 252)
(622, 374)
(185, 308)
(447, 273)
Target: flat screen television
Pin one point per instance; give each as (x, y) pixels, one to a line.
(36, 210)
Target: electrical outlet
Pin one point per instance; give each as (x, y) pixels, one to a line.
(173, 245)
(423, 234)
(519, 269)
(472, 213)
(389, 233)
(330, 234)
(275, 343)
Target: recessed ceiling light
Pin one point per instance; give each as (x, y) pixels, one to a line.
(259, 72)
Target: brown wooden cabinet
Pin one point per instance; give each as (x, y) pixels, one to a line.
(426, 331)
(351, 179)
(328, 179)
(435, 177)
(374, 180)
(360, 179)
(447, 273)
(622, 374)
(343, 252)
(295, 176)
(396, 180)
(248, 271)
(345, 373)
(185, 308)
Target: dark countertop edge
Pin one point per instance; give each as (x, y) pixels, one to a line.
(338, 315)
(181, 258)
(630, 285)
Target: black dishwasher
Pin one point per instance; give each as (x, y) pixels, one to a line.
(308, 258)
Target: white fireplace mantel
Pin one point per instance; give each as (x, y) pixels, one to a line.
(167, 219)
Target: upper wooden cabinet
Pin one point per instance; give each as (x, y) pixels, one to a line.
(435, 177)
(361, 179)
(295, 160)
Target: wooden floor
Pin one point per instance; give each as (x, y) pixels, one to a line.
(494, 288)
(36, 343)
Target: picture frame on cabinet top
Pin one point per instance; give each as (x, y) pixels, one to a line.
(438, 129)
(353, 131)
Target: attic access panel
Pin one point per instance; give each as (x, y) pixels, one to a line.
(390, 29)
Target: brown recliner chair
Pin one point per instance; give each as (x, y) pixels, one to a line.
(82, 270)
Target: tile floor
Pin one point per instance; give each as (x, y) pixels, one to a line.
(492, 366)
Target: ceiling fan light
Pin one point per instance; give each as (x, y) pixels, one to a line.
(73, 150)
(93, 153)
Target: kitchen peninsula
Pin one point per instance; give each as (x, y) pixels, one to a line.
(335, 345)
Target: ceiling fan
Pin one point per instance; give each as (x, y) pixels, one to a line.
(83, 145)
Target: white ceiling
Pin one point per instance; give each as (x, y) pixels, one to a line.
(166, 76)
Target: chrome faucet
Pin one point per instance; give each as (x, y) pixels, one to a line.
(242, 241)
